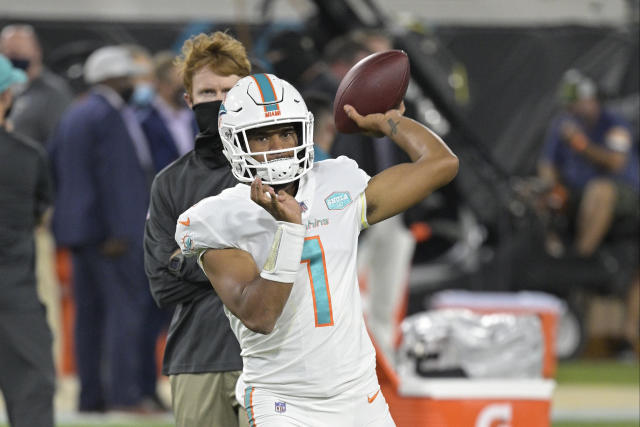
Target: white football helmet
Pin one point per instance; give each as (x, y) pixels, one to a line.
(265, 100)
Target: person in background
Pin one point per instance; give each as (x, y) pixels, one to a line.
(35, 114)
(374, 40)
(27, 373)
(202, 357)
(324, 128)
(295, 56)
(39, 106)
(168, 123)
(590, 156)
(102, 171)
(143, 84)
(590, 164)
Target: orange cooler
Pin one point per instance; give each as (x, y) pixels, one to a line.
(461, 402)
(435, 402)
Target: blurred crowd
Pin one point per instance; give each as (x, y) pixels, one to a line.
(106, 144)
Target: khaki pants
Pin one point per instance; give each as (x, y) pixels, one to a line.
(206, 400)
(48, 286)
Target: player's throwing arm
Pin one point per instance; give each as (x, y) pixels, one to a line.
(396, 189)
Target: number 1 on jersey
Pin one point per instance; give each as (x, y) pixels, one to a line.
(313, 256)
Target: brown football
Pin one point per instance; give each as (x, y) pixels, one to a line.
(375, 84)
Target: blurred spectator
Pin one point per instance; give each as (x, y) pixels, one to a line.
(40, 105)
(590, 157)
(324, 128)
(340, 54)
(35, 113)
(202, 356)
(294, 57)
(143, 83)
(168, 123)
(27, 374)
(375, 40)
(102, 169)
(590, 164)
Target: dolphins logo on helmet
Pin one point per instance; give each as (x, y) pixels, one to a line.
(263, 100)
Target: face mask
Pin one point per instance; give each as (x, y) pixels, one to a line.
(207, 115)
(143, 94)
(21, 63)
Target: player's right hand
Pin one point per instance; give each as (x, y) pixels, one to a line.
(376, 124)
(282, 206)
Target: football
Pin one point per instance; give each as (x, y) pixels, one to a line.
(375, 84)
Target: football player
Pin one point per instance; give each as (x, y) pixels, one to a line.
(281, 252)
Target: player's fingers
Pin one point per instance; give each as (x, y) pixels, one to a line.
(268, 189)
(352, 113)
(283, 196)
(258, 193)
(254, 190)
(402, 107)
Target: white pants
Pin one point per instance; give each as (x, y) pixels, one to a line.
(266, 409)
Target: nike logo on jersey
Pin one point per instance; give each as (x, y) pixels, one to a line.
(372, 398)
(186, 223)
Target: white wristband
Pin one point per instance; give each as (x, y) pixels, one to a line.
(284, 258)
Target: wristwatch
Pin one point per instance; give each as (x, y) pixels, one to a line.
(176, 263)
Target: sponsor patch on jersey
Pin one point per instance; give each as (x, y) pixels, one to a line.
(280, 407)
(338, 200)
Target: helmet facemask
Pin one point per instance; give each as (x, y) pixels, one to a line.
(245, 109)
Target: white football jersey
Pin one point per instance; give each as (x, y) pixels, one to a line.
(319, 346)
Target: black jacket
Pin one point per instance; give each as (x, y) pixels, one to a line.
(200, 338)
(25, 194)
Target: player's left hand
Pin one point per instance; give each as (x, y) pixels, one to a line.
(282, 206)
(377, 124)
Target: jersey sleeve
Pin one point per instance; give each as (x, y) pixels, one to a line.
(344, 174)
(228, 220)
(202, 226)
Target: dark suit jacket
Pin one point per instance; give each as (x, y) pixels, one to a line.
(162, 145)
(102, 191)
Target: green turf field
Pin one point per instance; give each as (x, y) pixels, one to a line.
(598, 372)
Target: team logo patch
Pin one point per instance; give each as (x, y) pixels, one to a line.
(338, 200)
(280, 407)
(187, 243)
